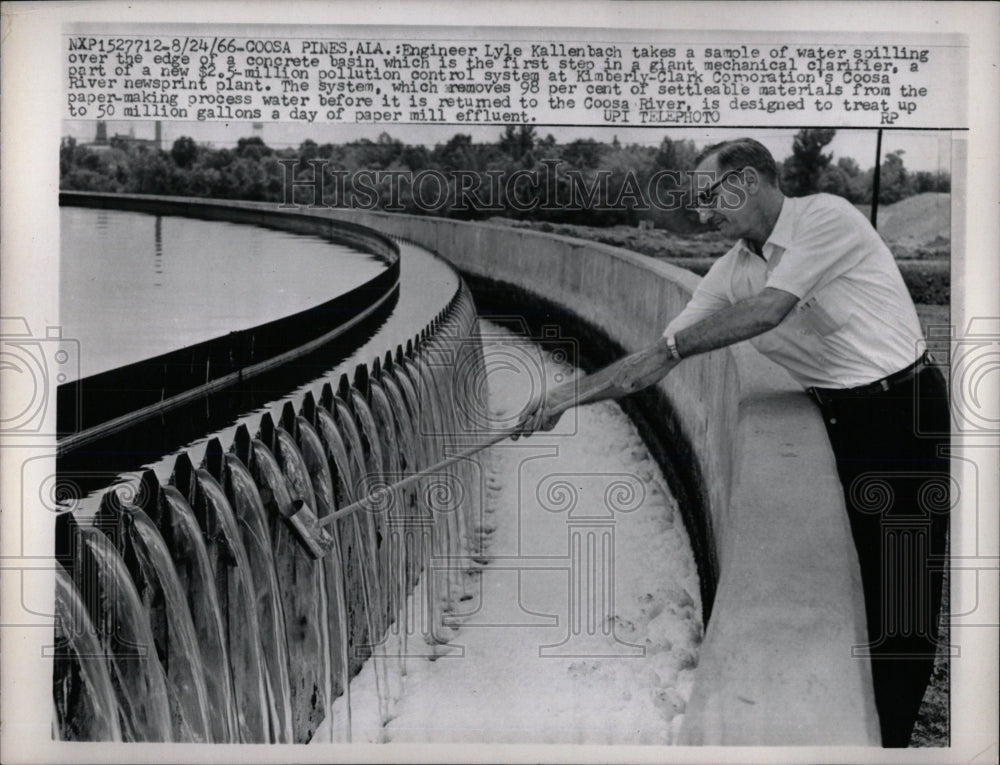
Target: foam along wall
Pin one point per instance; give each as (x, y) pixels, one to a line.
(749, 462)
(743, 449)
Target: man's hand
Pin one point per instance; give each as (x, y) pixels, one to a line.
(627, 375)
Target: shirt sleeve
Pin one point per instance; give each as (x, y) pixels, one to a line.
(824, 245)
(709, 297)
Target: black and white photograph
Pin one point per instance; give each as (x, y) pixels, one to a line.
(556, 381)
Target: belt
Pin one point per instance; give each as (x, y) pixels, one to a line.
(879, 386)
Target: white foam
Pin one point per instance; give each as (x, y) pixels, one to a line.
(495, 681)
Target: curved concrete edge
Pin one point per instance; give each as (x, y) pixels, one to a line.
(777, 666)
(290, 218)
(151, 386)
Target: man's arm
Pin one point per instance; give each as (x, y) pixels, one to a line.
(627, 375)
(741, 321)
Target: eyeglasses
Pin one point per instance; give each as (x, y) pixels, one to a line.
(706, 197)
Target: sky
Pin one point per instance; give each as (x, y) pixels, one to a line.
(923, 150)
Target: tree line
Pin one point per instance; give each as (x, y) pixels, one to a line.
(610, 173)
(809, 170)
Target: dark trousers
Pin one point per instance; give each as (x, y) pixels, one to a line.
(897, 489)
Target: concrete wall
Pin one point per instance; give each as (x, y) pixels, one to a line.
(750, 464)
(776, 666)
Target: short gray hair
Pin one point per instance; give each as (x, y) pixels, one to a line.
(742, 152)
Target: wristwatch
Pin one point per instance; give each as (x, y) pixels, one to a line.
(672, 347)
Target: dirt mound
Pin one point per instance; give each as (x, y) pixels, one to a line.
(923, 220)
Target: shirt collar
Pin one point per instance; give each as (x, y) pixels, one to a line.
(781, 234)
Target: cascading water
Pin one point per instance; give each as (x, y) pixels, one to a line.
(85, 701)
(186, 543)
(234, 588)
(190, 611)
(281, 475)
(173, 629)
(120, 620)
(251, 515)
(317, 460)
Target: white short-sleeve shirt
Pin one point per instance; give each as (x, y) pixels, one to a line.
(855, 321)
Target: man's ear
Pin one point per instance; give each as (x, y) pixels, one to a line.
(751, 179)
